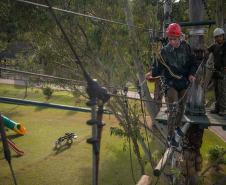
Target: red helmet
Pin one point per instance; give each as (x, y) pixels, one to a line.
(174, 29)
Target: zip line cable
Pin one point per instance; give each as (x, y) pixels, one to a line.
(41, 75)
(76, 81)
(79, 82)
(84, 15)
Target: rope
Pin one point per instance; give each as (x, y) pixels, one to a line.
(168, 68)
(83, 83)
(84, 15)
(78, 82)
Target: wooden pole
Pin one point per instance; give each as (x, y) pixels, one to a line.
(196, 33)
(144, 180)
(196, 103)
(196, 40)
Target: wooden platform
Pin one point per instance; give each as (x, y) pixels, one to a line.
(203, 120)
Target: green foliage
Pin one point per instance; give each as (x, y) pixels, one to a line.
(93, 40)
(118, 132)
(216, 153)
(176, 172)
(180, 11)
(48, 92)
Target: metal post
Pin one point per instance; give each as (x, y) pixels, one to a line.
(99, 134)
(95, 93)
(196, 103)
(167, 15)
(95, 148)
(95, 140)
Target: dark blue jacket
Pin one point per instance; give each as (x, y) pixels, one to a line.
(219, 53)
(181, 61)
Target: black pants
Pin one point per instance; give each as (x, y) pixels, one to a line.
(175, 112)
(216, 92)
(220, 94)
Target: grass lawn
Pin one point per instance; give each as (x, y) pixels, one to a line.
(151, 86)
(42, 166)
(58, 97)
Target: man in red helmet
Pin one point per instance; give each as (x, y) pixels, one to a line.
(177, 65)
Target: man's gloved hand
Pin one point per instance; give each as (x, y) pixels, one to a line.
(150, 78)
(148, 75)
(191, 78)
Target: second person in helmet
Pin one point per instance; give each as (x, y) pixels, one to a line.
(219, 76)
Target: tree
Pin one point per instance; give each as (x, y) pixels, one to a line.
(114, 54)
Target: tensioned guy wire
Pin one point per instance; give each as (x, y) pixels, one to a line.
(84, 15)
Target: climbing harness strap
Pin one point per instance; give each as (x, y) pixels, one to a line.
(168, 68)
